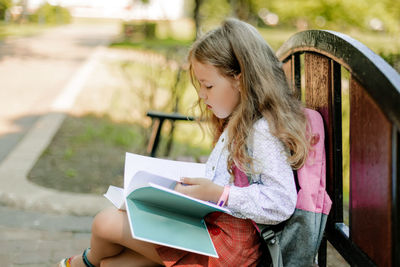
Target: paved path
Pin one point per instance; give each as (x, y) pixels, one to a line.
(34, 70)
(40, 77)
(39, 239)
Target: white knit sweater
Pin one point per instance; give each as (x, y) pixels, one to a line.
(271, 196)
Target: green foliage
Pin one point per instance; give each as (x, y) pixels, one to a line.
(71, 173)
(50, 14)
(393, 59)
(135, 31)
(338, 14)
(212, 12)
(4, 6)
(350, 17)
(333, 14)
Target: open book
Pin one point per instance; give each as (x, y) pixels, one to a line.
(158, 214)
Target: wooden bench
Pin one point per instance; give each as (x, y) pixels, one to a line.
(313, 62)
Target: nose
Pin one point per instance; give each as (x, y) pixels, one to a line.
(202, 94)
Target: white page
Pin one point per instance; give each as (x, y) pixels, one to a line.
(144, 178)
(171, 169)
(116, 196)
(171, 191)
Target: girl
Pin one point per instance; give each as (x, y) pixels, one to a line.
(259, 133)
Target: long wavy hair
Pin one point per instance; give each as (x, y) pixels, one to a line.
(237, 47)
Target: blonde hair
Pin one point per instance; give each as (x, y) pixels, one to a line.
(237, 47)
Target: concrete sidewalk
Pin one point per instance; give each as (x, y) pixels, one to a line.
(36, 239)
(15, 189)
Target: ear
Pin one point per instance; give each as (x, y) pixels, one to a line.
(237, 80)
(237, 77)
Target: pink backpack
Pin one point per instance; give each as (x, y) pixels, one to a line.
(295, 242)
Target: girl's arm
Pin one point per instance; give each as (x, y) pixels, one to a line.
(272, 197)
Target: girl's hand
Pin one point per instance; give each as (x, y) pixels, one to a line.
(200, 188)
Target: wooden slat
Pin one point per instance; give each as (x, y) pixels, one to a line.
(318, 96)
(291, 68)
(370, 176)
(318, 84)
(288, 69)
(396, 196)
(323, 93)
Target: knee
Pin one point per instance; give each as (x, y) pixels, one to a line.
(106, 263)
(106, 222)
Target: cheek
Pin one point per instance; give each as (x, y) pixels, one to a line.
(229, 99)
(232, 98)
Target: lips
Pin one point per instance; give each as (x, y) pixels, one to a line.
(208, 106)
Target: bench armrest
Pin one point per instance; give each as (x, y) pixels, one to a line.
(158, 120)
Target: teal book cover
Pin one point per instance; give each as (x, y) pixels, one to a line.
(165, 217)
(158, 214)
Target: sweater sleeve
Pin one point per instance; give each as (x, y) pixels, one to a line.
(271, 196)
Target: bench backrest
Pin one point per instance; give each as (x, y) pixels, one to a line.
(372, 236)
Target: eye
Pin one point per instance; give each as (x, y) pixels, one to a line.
(209, 87)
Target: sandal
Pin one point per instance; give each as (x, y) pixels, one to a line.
(67, 262)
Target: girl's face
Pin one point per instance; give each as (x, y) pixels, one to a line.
(220, 94)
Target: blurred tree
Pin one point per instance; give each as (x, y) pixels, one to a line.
(196, 16)
(24, 12)
(337, 13)
(243, 9)
(212, 13)
(393, 8)
(140, 1)
(50, 14)
(4, 6)
(383, 15)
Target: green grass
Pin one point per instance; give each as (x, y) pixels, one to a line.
(87, 153)
(171, 47)
(18, 30)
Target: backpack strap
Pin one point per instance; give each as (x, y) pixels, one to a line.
(269, 233)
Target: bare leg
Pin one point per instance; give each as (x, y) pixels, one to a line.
(111, 235)
(127, 258)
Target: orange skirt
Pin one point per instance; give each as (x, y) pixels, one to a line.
(236, 241)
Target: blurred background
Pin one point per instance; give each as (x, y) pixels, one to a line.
(375, 23)
(142, 67)
(78, 76)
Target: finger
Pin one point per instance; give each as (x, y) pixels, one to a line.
(180, 188)
(177, 185)
(187, 180)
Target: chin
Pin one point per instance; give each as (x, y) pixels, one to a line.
(221, 116)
